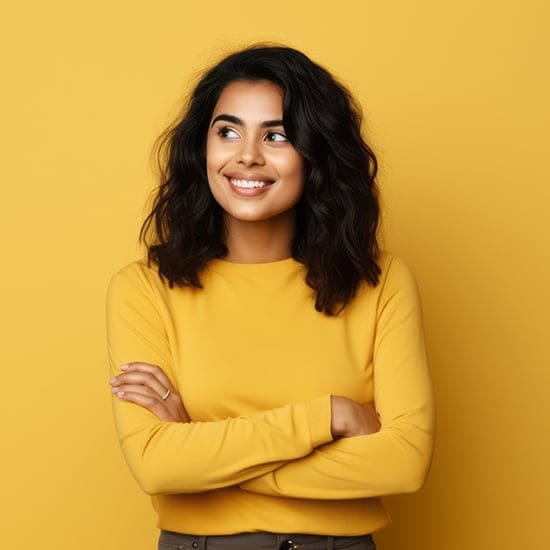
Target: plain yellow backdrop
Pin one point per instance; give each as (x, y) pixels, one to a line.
(456, 102)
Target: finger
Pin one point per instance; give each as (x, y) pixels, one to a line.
(170, 410)
(140, 378)
(146, 401)
(135, 388)
(153, 370)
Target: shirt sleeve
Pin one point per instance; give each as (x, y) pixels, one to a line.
(397, 458)
(171, 457)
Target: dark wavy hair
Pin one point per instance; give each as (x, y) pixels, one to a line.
(338, 214)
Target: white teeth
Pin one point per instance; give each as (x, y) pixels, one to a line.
(248, 184)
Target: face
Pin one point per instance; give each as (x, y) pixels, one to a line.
(254, 172)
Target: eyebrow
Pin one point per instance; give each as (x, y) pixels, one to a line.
(237, 120)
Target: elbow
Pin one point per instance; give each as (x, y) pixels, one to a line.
(150, 464)
(412, 464)
(408, 477)
(150, 486)
(148, 489)
(417, 471)
(414, 481)
(150, 480)
(157, 476)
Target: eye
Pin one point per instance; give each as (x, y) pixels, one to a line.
(275, 136)
(227, 132)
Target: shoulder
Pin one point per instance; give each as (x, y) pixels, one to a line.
(135, 279)
(395, 283)
(393, 270)
(397, 287)
(137, 272)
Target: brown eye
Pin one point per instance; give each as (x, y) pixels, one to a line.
(276, 136)
(226, 132)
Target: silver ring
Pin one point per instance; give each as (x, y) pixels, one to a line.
(165, 396)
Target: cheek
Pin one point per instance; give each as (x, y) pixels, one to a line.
(292, 173)
(296, 173)
(210, 157)
(290, 167)
(216, 156)
(215, 160)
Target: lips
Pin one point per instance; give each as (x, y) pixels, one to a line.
(248, 185)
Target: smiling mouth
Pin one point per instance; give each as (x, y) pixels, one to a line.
(250, 184)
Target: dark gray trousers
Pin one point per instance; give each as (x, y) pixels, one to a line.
(262, 541)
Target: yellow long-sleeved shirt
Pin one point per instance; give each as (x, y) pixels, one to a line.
(255, 365)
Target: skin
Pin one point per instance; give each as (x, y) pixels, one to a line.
(246, 141)
(145, 385)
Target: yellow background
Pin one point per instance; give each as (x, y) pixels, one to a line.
(456, 98)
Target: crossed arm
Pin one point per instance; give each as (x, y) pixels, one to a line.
(148, 386)
(327, 448)
(284, 428)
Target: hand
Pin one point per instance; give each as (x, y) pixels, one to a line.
(147, 385)
(350, 419)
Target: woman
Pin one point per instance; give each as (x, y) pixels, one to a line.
(269, 372)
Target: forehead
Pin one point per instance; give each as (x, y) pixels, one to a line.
(251, 101)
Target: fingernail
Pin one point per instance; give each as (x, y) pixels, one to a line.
(120, 394)
(114, 389)
(124, 367)
(112, 380)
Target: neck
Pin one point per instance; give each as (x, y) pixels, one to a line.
(259, 242)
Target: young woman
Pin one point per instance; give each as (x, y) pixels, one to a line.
(269, 372)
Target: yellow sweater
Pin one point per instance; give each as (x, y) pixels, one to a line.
(256, 365)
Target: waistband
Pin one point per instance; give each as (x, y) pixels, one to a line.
(263, 541)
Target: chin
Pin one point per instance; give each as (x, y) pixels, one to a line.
(251, 216)
(248, 217)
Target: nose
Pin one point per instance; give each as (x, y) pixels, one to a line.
(250, 153)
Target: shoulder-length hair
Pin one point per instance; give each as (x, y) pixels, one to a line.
(338, 214)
